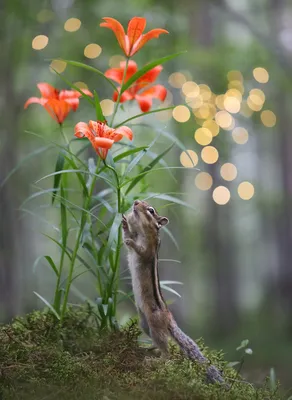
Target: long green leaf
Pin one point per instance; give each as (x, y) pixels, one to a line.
(113, 233)
(128, 153)
(59, 244)
(143, 114)
(171, 282)
(57, 178)
(50, 261)
(69, 83)
(21, 162)
(170, 198)
(90, 68)
(98, 110)
(147, 68)
(64, 226)
(78, 174)
(70, 171)
(47, 304)
(169, 289)
(137, 159)
(55, 228)
(170, 235)
(148, 168)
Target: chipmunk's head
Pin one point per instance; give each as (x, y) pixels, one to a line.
(144, 219)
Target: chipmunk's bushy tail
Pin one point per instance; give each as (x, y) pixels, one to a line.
(192, 351)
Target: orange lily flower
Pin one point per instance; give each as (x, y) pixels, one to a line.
(58, 103)
(101, 136)
(144, 98)
(134, 39)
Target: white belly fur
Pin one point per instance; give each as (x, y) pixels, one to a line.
(134, 261)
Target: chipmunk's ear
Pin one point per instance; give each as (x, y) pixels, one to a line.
(163, 221)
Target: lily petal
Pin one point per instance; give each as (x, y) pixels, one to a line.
(145, 102)
(117, 28)
(124, 131)
(116, 74)
(126, 96)
(157, 91)
(73, 102)
(136, 27)
(81, 129)
(154, 33)
(58, 109)
(105, 143)
(150, 76)
(37, 100)
(47, 91)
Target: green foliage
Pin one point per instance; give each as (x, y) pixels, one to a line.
(76, 361)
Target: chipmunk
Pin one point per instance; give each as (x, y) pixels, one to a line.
(141, 233)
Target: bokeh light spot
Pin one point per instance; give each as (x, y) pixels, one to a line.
(190, 89)
(253, 106)
(232, 104)
(177, 79)
(228, 171)
(92, 50)
(257, 96)
(240, 135)
(58, 66)
(245, 190)
(245, 110)
(81, 85)
(212, 126)
(107, 107)
(114, 61)
(261, 75)
(194, 102)
(40, 42)
(189, 159)
(203, 181)
(181, 113)
(205, 91)
(268, 118)
(221, 195)
(234, 76)
(72, 24)
(236, 85)
(209, 154)
(203, 136)
(219, 101)
(224, 120)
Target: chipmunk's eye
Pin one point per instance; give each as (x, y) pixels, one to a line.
(151, 210)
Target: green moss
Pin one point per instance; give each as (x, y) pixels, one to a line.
(40, 359)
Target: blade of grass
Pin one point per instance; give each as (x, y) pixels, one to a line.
(147, 168)
(147, 68)
(48, 305)
(90, 68)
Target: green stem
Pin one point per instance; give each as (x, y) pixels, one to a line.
(57, 298)
(119, 241)
(120, 93)
(76, 248)
(64, 136)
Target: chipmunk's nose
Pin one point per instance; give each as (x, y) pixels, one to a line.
(136, 202)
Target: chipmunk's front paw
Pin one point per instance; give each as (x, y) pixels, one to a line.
(129, 242)
(124, 222)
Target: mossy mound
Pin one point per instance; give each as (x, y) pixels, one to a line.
(41, 360)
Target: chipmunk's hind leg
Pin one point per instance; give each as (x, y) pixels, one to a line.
(159, 334)
(143, 322)
(160, 340)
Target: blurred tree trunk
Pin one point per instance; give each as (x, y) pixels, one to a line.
(11, 237)
(219, 243)
(284, 223)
